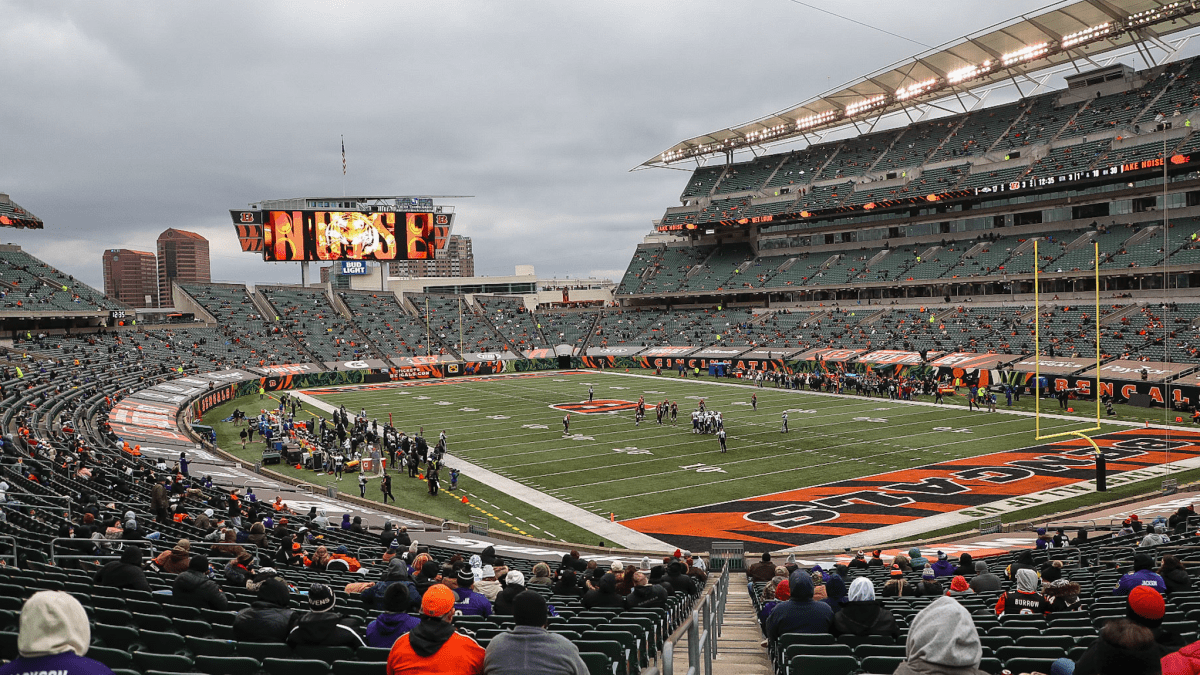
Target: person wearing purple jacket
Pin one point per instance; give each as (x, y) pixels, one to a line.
(468, 602)
(1142, 575)
(395, 619)
(53, 637)
(943, 567)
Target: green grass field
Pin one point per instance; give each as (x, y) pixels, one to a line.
(610, 466)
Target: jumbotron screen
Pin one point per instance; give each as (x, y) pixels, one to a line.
(347, 235)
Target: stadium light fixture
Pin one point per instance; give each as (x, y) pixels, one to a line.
(1026, 53)
(865, 104)
(968, 72)
(1089, 34)
(1154, 15)
(815, 120)
(915, 89)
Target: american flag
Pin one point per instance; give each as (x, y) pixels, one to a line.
(343, 155)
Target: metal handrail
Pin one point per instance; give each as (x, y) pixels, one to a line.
(111, 548)
(702, 644)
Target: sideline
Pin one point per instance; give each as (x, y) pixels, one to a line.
(608, 530)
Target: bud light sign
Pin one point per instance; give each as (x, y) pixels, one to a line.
(354, 267)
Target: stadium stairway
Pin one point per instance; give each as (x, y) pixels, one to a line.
(739, 649)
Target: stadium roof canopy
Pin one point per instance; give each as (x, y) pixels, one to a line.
(1057, 35)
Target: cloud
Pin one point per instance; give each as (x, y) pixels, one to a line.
(122, 122)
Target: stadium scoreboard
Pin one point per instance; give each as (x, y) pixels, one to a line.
(352, 229)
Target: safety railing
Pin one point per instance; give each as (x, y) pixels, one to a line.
(702, 629)
(110, 549)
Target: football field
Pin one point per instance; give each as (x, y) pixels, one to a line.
(672, 483)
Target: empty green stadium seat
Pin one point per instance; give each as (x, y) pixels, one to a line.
(227, 665)
(822, 665)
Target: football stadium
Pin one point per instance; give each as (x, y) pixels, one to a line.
(913, 363)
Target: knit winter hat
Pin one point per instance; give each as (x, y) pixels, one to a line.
(515, 577)
(783, 591)
(616, 566)
(465, 578)
(321, 598)
(1141, 561)
(1145, 606)
(198, 563)
(927, 573)
(438, 601)
(959, 583)
(896, 571)
(529, 609)
(941, 555)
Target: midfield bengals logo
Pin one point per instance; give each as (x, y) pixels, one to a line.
(596, 407)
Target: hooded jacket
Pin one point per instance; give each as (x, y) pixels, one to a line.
(649, 595)
(1177, 580)
(267, 619)
(984, 580)
(195, 589)
(1063, 595)
(604, 595)
(835, 593)
(966, 565)
(800, 614)
(388, 627)
(942, 640)
(1186, 661)
(504, 599)
(323, 629)
(943, 568)
(863, 614)
(1026, 599)
(173, 561)
(433, 648)
(124, 573)
(53, 637)
(397, 572)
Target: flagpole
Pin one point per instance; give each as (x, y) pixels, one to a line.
(343, 166)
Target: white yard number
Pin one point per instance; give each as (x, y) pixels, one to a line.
(703, 468)
(876, 420)
(632, 451)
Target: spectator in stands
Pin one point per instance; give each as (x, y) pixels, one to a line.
(800, 614)
(396, 574)
(959, 587)
(897, 586)
(487, 584)
(514, 585)
(1123, 648)
(466, 600)
(863, 614)
(1043, 540)
(859, 562)
(1178, 520)
(680, 581)
(269, 618)
(194, 588)
(541, 575)
(159, 502)
(943, 567)
(433, 646)
(645, 594)
(53, 637)
(1146, 607)
(917, 560)
(876, 559)
(762, 570)
(984, 581)
(900, 560)
(567, 584)
(320, 626)
(395, 619)
(942, 639)
(529, 649)
(966, 565)
(428, 575)
(124, 573)
(175, 560)
(1186, 661)
(239, 570)
(1063, 595)
(1157, 537)
(928, 585)
(1174, 575)
(1024, 561)
(1024, 600)
(1142, 575)
(835, 592)
(603, 593)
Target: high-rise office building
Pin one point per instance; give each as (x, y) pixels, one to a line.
(131, 277)
(456, 260)
(182, 257)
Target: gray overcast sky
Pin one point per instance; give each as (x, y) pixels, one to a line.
(120, 119)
